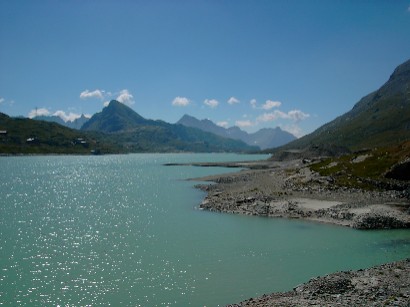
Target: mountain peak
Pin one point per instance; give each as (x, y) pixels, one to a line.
(398, 83)
(186, 116)
(264, 138)
(114, 102)
(150, 135)
(378, 119)
(401, 72)
(114, 118)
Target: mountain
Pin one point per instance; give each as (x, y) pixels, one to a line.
(28, 136)
(78, 122)
(51, 119)
(264, 138)
(116, 117)
(137, 134)
(270, 137)
(379, 119)
(75, 124)
(205, 124)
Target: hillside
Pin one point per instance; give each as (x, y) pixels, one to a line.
(264, 138)
(137, 134)
(28, 136)
(369, 169)
(381, 118)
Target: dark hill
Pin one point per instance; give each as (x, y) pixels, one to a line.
(28, 136)
(381, 118)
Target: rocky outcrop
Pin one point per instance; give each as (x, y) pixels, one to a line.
(384, 285)
(379, 221)
(400, 171)
(297, 192)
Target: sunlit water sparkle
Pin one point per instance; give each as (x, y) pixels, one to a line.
(123, 230)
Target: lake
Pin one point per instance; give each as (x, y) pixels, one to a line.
(124, 230)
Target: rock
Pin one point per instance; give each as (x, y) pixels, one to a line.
(261, 208)
(378, 221)
(352, 288)
(400, 171)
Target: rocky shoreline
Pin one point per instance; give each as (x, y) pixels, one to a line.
(292, 190)
(384, 285)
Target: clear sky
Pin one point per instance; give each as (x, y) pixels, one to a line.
(293, 64)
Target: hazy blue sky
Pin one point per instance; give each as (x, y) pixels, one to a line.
(294, 64)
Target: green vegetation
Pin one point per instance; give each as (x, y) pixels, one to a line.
(365, 169)
(27, 136)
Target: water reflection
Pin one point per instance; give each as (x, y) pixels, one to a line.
(122, 230)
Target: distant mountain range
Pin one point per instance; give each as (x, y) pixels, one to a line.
(264, 138)
(139, 134)
(128, 131)
(118, 119)
(381, 118)
(116, 129)
(75, 124)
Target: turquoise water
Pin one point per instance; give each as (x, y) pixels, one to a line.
(123, 230)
